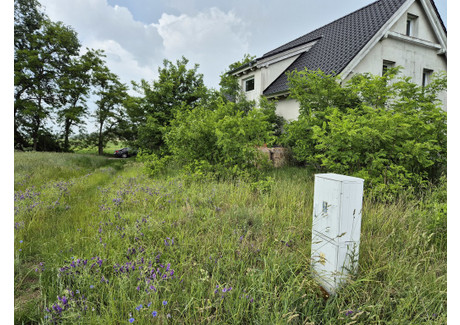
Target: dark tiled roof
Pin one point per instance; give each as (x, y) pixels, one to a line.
(339, 42)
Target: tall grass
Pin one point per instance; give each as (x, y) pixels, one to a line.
(109, 239)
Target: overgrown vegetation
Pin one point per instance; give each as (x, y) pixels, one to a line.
(219, 141)
(105, 244)
(387, 130)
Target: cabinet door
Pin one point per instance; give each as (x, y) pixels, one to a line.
(347, 261)
(331, 263)
(324, 254)
(350, 211)
(326, 207)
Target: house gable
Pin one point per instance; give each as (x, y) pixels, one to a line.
(420, 54)
(266, 69)
(429, 33)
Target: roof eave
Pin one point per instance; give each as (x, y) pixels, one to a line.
(245, 66)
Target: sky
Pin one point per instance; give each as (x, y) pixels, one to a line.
(137, 35)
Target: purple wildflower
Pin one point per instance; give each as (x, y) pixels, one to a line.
(131, 320)
(349, 312)
(165, 302)
(64, 300)
(154, 313)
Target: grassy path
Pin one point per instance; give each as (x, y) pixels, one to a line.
(57, 195)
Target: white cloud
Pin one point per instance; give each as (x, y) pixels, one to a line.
(134, 50)
(98, 23)
(211, 38)
(122, 62)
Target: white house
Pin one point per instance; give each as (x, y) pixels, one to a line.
(406, 33)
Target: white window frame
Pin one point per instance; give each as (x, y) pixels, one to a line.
(245, 84)
(411, 25)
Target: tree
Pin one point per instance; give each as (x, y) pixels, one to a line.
(176, 88)
(74, 87)
(111, 93)
(28, 22)
(43, 49)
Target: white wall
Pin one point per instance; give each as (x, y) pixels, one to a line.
(288, 108)
(253, 94)
(423, 29)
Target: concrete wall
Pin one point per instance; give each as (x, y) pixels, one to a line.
(423, 29)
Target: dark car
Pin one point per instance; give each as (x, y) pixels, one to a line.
(124, 153)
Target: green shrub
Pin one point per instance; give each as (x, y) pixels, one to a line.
(222, 141)
(390, 132)
(153, 164)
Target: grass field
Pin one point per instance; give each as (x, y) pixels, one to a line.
(98, 242)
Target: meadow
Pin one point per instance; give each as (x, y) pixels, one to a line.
(96, 241)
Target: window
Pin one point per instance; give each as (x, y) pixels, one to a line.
(426, 76)
(249, 84)
(411, 25)
(387, 65)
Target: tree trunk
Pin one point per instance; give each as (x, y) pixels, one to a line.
(35, 134)
(100, 140)
(68, 124)
(36, 128)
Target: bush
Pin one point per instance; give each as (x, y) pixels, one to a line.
(221, 141)
(390, 132)
(153, 164)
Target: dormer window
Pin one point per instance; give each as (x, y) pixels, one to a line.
(249, 84)
(411, 25)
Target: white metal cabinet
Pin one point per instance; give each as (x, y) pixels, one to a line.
(336, 228)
